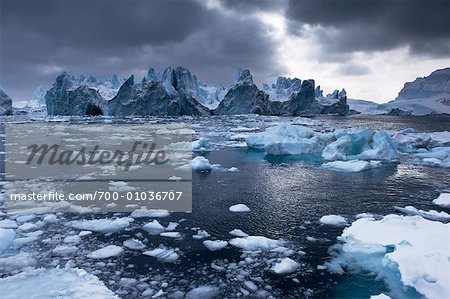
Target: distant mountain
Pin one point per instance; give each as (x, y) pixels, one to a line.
(423, 96)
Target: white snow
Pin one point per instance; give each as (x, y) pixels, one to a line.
(402, 250)
(239, 208)
(285, 266)
(106, 252)
(253, 243)
(102, 225)
(64, 250)
(163, 255)
(443, 200)
(215, 245)
(334, 220)
(54, 283)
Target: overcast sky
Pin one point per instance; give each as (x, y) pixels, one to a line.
(370, 47)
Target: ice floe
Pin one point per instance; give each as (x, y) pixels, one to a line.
(253, 243)
(163, 254)
(405, 251)
(285, 266)
(102, 225)
(215, 245)
(150, 213)
(238, 233)
(334, 220)
(134, 244)
(54, 283)
(352, 165)
(203, 292)
(238, 208)
(106, 252)
(7, 237)
(431, 215)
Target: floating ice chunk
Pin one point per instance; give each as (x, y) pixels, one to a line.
(438, 156)
(431, 215)
(250, 285)
(120, 186)
(443, 200)
(26, 227)
(142, 213)
(239, 208)
(203, 292)
(334, 220)
(84, 233)
(440, 138)
(285, 266)
(238, 233)
(102, 225)
(64, 250)
(50, 218)
(200, 163)
(380, 296)
(233, 169)
(365, 215)
(280, 134)
(154, 228)
(7, 237)
(51, 283)
(175, 178)
(201, 145)
(106, 252)
(201, 234)
(351, 166)
(410, 141)
(8, 223)
(134, 244)
(253, 243)
(72, 239)
(362, 144)
(215, 245)
(174, 235)
(163, 255)
(402, 250)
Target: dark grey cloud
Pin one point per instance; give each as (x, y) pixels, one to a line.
(371, 25)
(353, 69)
(43, 37)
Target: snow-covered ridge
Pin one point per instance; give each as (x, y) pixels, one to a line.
(427, 95)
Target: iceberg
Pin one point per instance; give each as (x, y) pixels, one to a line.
(407, 252)
(203, 292)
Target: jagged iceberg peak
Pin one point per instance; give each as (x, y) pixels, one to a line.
(38, 97)
(107, 87)
(283, 89)
(332, 98)
(180, 81)
(243, 76)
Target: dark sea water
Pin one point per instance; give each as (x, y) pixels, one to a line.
(287, 196)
